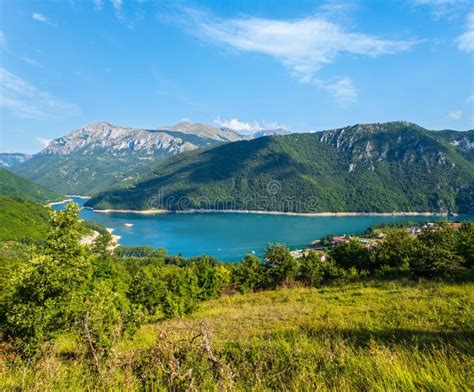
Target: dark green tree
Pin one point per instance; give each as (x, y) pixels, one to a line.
(48, 294)
(248, 275)
(352, 254)
(282, 267)
(465, 243)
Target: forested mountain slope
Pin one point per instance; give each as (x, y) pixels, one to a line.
(395, 166)
(12, 184)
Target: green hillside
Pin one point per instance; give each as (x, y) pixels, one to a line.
(364, 168)
(392, 336)
(12, 184)
(85, 174)
(24, 220)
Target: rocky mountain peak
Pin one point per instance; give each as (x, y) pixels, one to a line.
(202, 130)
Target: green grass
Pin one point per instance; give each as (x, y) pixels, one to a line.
(377, 336)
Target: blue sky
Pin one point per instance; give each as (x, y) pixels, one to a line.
(305, 65)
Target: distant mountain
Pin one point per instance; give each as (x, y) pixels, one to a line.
(13, 185)
(204, 131)
(395, 166)
(101, 155)
(10, 160)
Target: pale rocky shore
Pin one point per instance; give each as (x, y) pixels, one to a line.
(115, 238)
(315, 214)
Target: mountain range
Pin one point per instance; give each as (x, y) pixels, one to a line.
(11, 160)
(396, 166)
(101, 155)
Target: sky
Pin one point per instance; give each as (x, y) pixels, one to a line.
(303, 65)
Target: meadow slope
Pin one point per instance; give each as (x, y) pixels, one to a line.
(353, 337)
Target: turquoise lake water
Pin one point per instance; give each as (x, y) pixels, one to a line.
(230, 236)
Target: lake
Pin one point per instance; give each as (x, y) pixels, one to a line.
(230, 236)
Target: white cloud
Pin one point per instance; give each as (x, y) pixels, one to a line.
(247, 127)
(443, 8)
(455, 115)
(469, 99)
(465, 42)
(117, 4)
(32, 62)
(43, 142)
(303, 46)
(23, 99)
(239, 126)
(342, 90)
(39, 17)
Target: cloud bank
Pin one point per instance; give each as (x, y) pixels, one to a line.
(465, 41)
(303, 46)
(245, 127)
(22, 99)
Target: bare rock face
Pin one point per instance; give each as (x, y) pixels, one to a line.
(101, 155)
(102, 137)
(204, 131)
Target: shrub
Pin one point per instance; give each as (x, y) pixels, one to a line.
(281, 266)
(48, 293)
(169, 290)
(352, 254)
(314, 271)
(212, 279)
(248, 275)
(465, 243)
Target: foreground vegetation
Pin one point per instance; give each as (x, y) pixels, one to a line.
(86, 317)
(398, 335)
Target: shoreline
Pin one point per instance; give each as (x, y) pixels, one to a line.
(69, 199)
(115, 238)
(58, 202)
(310, 214)
(78, 196)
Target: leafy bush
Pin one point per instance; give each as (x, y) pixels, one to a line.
(352, 254)
(248, 275)
(281, 266)
(314, 271)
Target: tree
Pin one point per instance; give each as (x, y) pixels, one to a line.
(465, 243)
(352, 255)
(102, 246)
(310, 269)
(437, 251)
(47, 295)
(281, 265)
(248, 274)
(165, 290)
(314, 271)
(212, 279)
(398, 250)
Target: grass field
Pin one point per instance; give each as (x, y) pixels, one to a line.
(377, 336)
